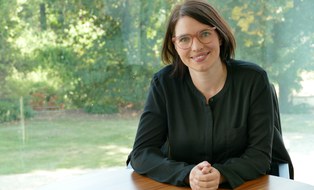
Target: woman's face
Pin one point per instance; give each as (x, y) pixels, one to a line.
(199, 56)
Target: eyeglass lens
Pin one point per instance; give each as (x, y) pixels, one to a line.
(204, 36)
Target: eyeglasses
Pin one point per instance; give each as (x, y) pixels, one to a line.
(185, 41)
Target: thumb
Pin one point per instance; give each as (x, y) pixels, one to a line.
(206, 170)
(203, 165)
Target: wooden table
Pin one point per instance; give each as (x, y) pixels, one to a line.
(126, 179)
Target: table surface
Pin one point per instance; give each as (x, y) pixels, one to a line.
(127, 179)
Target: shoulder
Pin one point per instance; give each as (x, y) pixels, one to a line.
(247, 74)
(246, 70)
(164, 72)
(163, 75)
(164, 80)
(245, 66)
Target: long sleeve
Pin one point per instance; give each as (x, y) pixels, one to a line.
(147, 157)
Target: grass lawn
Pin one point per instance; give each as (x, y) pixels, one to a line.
(66, 140)
(75, 140)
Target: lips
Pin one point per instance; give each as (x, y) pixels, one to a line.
(200, 57)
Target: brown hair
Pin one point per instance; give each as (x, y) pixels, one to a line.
(205, 14)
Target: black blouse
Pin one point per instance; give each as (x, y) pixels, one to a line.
(179, 129)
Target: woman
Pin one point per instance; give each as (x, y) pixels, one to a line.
(208, 119)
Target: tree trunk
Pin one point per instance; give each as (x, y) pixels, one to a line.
(284, 97)
(43, 21)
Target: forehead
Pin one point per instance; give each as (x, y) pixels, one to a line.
(188, 25)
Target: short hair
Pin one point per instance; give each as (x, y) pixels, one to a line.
(204, 13)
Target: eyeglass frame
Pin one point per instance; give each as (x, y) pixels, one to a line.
(174, 38)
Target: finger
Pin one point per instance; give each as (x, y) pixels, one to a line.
(212, 175)
(206, 170)
(206, 164)
(206, 185)
(203, 164)
(205, 178)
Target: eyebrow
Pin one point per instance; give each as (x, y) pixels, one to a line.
(195, 32)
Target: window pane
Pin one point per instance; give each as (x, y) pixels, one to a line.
(74, 77)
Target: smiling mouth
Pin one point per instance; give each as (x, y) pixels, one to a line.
(200, 57)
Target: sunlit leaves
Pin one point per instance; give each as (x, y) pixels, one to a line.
(83, 33)
(257, 18)
(103, 52)
(245, 19)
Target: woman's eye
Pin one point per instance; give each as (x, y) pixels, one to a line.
(205, 34)
(184, 39)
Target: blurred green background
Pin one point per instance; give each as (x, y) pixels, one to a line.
(99, 55)
(74, 77)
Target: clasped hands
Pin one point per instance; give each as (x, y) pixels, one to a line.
(205, 177)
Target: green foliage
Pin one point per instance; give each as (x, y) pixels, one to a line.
(40, 94)
(43, 96)
(10, 110)
(278, 35)
(106, 88)
(8, 54)
(100, 55)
